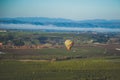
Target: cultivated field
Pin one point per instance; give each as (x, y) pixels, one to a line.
(77, 69)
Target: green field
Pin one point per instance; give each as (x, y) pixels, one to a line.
(54, 53)
(80, 63)
(76, 69)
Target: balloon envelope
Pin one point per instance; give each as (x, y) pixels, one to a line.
(68, 44)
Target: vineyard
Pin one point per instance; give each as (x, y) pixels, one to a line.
(79, 69)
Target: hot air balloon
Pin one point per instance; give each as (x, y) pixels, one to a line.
(69, 44)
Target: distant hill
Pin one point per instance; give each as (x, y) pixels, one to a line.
(59, 22)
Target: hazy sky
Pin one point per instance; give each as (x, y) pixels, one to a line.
(71, 9)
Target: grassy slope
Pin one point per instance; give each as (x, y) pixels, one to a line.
(82, 69)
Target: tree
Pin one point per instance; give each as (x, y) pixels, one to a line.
(18, 43)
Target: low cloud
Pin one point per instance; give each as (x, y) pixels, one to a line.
(51, 27)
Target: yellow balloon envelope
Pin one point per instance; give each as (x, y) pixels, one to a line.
(68, 44)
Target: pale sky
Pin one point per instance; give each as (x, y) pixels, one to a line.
(70, 9)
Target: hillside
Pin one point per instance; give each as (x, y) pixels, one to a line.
(59, 22)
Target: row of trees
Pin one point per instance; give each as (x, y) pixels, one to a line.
(28, 39)
(20, 39)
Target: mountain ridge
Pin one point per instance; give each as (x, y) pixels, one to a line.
(61, 22)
